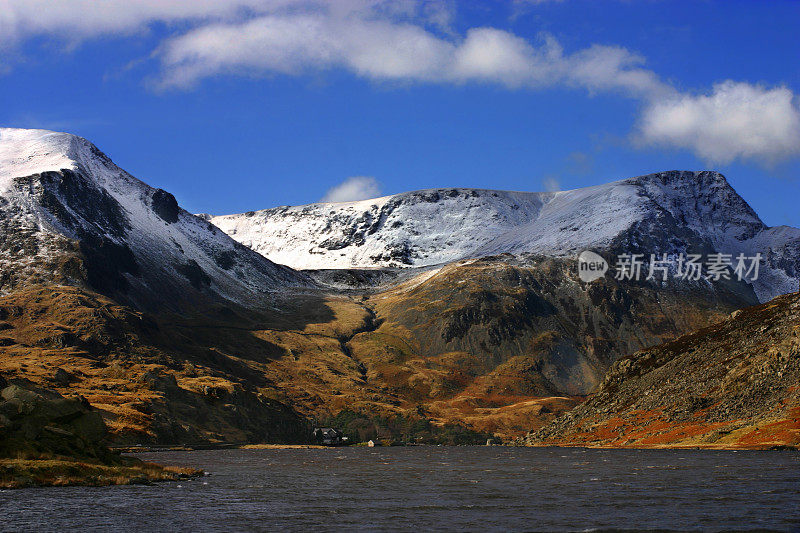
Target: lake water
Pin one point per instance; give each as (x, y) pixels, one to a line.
(434, 488)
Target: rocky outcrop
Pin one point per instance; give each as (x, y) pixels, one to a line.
(40, 422)
(49, 440)
(165, 206)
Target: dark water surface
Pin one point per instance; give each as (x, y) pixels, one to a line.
(434, 488)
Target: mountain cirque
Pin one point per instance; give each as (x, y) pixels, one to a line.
(177, 333)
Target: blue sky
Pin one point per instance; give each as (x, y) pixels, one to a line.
(256, 103)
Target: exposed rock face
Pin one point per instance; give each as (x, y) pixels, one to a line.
(165, 206)
(535, 309)
(732, 384)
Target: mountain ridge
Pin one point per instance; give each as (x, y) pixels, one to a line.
(666, 212)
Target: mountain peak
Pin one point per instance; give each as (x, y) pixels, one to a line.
(704, 201)
(70, 215)
(432, 226)
(24, 152)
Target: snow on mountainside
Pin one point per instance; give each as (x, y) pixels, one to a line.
(411, 229)
(667, 211)
(69, 214)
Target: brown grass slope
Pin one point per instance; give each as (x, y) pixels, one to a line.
(498, 345)
(153, 380)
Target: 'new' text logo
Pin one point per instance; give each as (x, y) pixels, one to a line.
(591, 266)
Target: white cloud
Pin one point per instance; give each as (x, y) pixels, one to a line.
(353, 189)
(86, 19)
(551, 184)
(737, 120)
(411, 41)
(613, 68)
(392, 50)
(492, 55)
(376, 39)
(81, 19)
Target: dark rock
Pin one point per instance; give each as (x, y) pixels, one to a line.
(15, 393)
(106, 262)
(40, 421)
(159, 381)
(9, 409)
(215, 392)
(224, 259)
(63, 378)
(196, 275)
(84, 402)
(88, 205)
(165, 206)
(62, 339)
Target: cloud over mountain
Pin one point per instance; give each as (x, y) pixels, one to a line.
(353, 189)
(736, 120)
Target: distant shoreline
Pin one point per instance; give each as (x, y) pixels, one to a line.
(189, 448)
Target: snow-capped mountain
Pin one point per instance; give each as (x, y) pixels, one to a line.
(657, 213)
(68, 214)
(418, 228)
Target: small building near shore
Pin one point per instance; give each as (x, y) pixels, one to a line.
(329, 436)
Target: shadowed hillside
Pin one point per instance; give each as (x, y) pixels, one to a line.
(733, 384)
